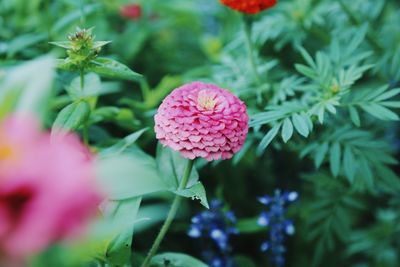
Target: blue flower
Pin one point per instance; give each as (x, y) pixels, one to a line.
(278, 225)
(215, 227)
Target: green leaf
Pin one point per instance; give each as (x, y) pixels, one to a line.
(300, 125)
(389, 94)
(121, 116)
(92, 86)
(320, 114)
(349, 164)
(123, 144)
(113, 69)
(171, 259)
(320, 154)
(65, 64)
(195, 192)
(287, 130)
(307, 57)
(150, 215)
(131, 174)
(268, 138)
(391, 104)
(98, 44)
(22, 42)
(331, 108)
(354, 116)
(121, 215)
(366, 173)
(26, 89)
(171, 166)
(71, 117)
(335, 158)
(307, 71)
(62, 44)
(379, 111)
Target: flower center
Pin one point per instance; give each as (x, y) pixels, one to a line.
(7, 151)
(206, 100)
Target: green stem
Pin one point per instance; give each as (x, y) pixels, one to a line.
(85, 132)
(250, 48)
(170, 217)
(82, 79)
(145, 88)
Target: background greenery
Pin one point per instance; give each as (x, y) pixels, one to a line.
(322, 101)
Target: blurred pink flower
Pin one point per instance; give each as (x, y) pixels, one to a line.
(202, 120)
(46, 188)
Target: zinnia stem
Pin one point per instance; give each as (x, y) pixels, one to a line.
(171, 215)
(247, 23)
(85, 131)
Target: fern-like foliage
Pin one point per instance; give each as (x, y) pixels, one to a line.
(328, 84)
(354, 153)
(333, 215)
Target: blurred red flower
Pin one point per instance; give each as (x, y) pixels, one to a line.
(131, 11)
(249, 6)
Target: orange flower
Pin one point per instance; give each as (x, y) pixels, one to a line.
(249, 6)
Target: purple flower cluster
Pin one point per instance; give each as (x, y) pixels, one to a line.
(215, 227)
(275, 219)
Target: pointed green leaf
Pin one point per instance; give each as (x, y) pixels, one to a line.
(171, 166)
(354, 116)
(21, 42)
(195, 192)
(122, 217)
(71, 117)
(98, 44)
(268, 138)
(130, 174)
(113, 69)
(349, 164)
(320, 154)
(62, 44)
(389, 94)
(379, 111)
(300, 125)
(366, 173)
(307, 71)
(287, 130)
(335, 155)
(307, 57)
(65, 64)
(123, 144)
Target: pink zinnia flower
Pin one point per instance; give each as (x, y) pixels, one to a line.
(46, 188)
(202, 120)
